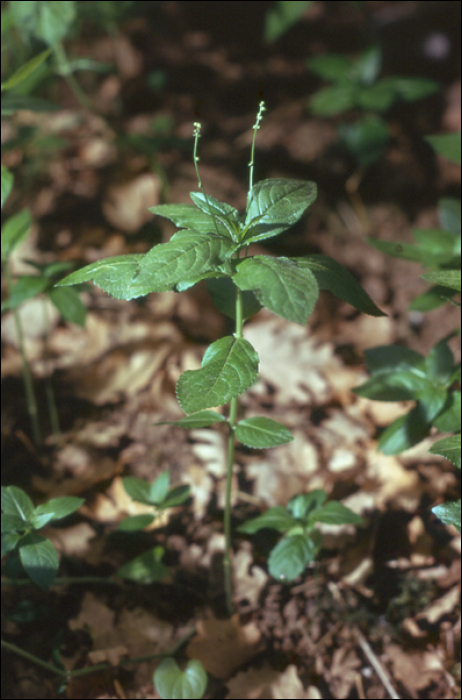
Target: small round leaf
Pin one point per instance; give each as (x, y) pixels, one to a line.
(171, 682)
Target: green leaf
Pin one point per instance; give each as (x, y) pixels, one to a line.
(432, 299)
(412, 89)
(14, 103)
(303, 504)
(394, 358)
(13, 523)
(440, 362)
(59, 508)
(16, 502)
(40, 560)
(404, 433)
(449, 420)
(229, 367)
(203, 419)
(447, 145)
(333, 100)
(14, 231)
(291, 556)
(171, 682)
(7, 186)
(335, 67)
(134, 523)
(334, 278)
(394, 386)
(449, 513)
(26, 70)
(262, 432)
(10, 540)
(147, 568)
(150, 494)
(277, 518)
(446, 278)
(282, 16)
(378, 97)
(69, 304)
(279, 284)
(449, 212)
(49, 21)
(26, 287)
(365, 139)
(220, 212)
(335, 513)
(274, 205)
(114, 275)
(223, 293)
(189, 216)
(175, 497)
(450, 448)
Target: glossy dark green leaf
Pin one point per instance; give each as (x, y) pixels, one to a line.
(404, 433)
(146, 569)
(10, 540)
(277, 518)
(334, 278)
(7, 186)
(276, 204)
(40, 560)
(260, 432)
(229, 367)
(13, 523)
(449, 513)
(134, 523)
(171, 682)
(175, 497)
(25, 71)
(440, 362)
(59, 508)
(223, 214)
(291, 556)
(449, 447)
(16, 502)
(189, 216)
(203, 419)
(69, 304)
(279, 284)
(114, 275)
(449, 420)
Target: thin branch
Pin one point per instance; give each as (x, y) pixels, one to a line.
(377, 666)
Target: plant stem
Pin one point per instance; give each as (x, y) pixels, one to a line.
(63, 65)
(227, 564)
(255, 128)
(26, 373)
(52, 408)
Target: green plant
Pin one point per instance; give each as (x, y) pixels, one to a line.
(209, 245)
(282, 17)
(20, 525)
(301, 541)
(433, 382)
(171, 682)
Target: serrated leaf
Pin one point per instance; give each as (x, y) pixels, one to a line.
(226, 216)
(40, 560)
(335, 513)
(280, 285)
(223, 292)
(69, 304)
(291, 556)
(334, 278)
(26, 70)
(14, 231)
(447, 145)
(446, 278)
(7, 186)
(229, 367)
(171, 682)
(189, 216)
(114, 275)
(146, 569)
(260, 432)
(276, 204)
(16, 502)
(277, 518)
(449, 513)
(404, 433)
(203, 419)
(450, 448)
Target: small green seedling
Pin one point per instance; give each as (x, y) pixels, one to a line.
(148, 567)
(213, 245)
(301, 541)
(20, 525)
(173, 683)
(433, 382)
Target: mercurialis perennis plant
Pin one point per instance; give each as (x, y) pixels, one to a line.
(212, 244)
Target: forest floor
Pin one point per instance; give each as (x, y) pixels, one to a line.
(384, 592)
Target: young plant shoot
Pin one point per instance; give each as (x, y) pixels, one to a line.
(212, 244)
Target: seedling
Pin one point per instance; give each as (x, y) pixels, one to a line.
(20, 525)
(213, 245)
(433, 382)
(301, 541)
(171, 682)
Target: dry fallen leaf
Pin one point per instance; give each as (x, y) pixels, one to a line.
(415, 670)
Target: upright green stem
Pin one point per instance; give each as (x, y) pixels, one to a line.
(255, 128)
(63, 64)
(232, 421)
(26, 373)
